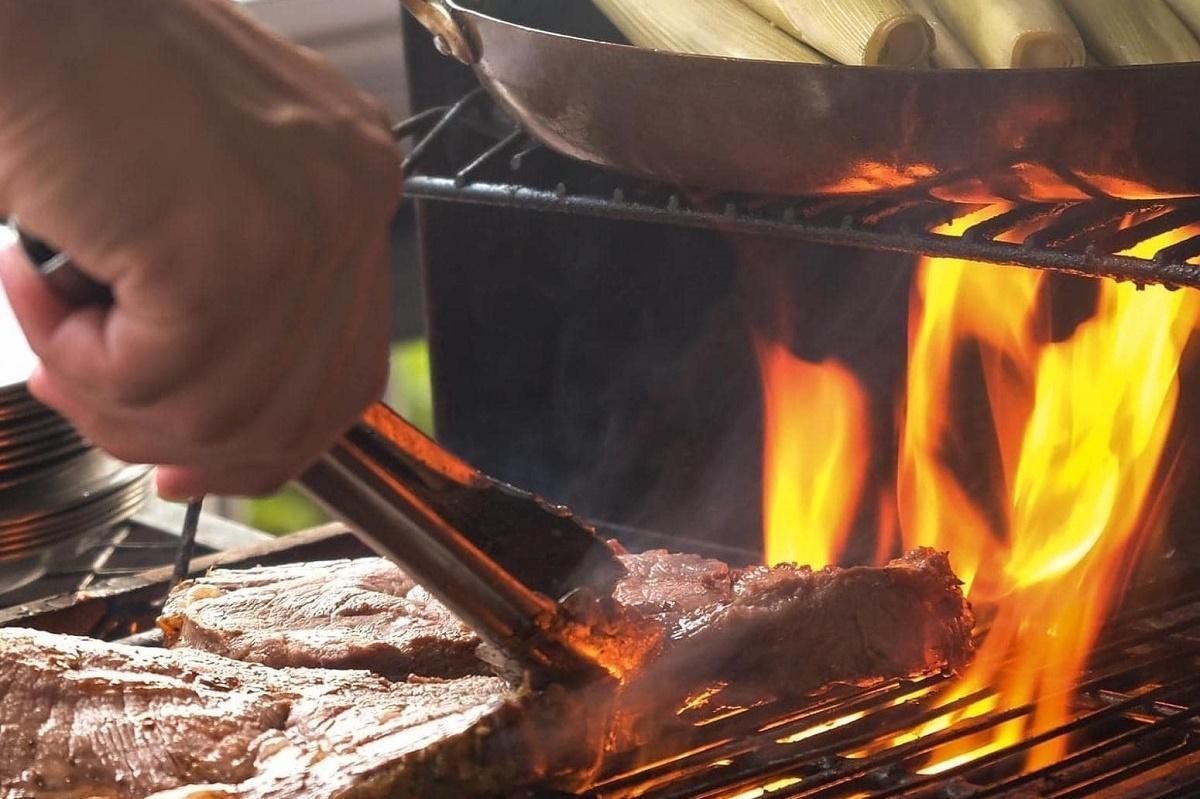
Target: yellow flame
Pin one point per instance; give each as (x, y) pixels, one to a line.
(1080, 428)
(1077, 425)
(815, 456)
(764, 790)
(821, 729)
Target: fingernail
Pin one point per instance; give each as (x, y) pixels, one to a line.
(167, 493)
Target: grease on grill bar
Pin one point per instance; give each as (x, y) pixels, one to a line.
(467, 152)
(1133, 733)
(1134, 728)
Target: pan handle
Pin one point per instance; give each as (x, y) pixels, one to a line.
(448, 36)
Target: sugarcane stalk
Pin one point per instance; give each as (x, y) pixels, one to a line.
(1120, 32)
(868, 32)
(1015, 33)
(705, 27)
(949, 52)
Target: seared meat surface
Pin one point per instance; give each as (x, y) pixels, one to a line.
(788, 628)
(82, 718)
(664, 586)
(359, 614)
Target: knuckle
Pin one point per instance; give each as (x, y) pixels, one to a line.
(379, 120)
(376, 155)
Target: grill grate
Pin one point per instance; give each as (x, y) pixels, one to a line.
(1134, 732)
(126, 549)
(100, 590)
(468, 152)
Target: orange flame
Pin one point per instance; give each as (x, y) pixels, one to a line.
(815, 456)
(1080, 427)
(1045, 530)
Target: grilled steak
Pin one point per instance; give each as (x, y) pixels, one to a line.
(789, 629)
(665, 586)
(361, 614)
(786, 628)
(81, 718)
(86, 719)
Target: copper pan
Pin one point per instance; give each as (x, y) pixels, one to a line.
(800, 129)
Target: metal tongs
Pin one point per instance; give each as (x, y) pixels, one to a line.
(522, 573)
(506, 562)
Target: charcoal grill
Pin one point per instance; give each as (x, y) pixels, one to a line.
(600, 320)
(510, 237)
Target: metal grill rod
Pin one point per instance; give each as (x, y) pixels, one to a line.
(865, 731)
(1084, 238)
(1086, 264)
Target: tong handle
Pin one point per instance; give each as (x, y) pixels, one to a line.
(61, 273)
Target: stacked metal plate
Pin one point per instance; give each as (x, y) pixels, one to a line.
(58, 495)
(33, 439)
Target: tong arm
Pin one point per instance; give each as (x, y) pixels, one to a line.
(397, 489)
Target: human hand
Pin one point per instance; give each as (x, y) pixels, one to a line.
(236, 195)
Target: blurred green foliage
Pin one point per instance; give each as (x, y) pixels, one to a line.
(409, 391)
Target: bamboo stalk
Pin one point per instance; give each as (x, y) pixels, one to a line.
(870, 32)
(1189, 12)
(949, 52)
(704, 27)
(1015, 33)
(1121, 32)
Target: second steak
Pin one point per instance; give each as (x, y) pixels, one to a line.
(784, 629)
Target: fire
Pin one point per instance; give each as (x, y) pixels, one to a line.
(1032, 455)
(815, 456)
(768, 789)
(1080, 428)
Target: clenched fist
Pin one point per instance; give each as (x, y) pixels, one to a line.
(236, 195)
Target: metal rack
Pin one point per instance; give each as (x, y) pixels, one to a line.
(151, 540)
(1134, 728)
(468, 152)
(1134, 732)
